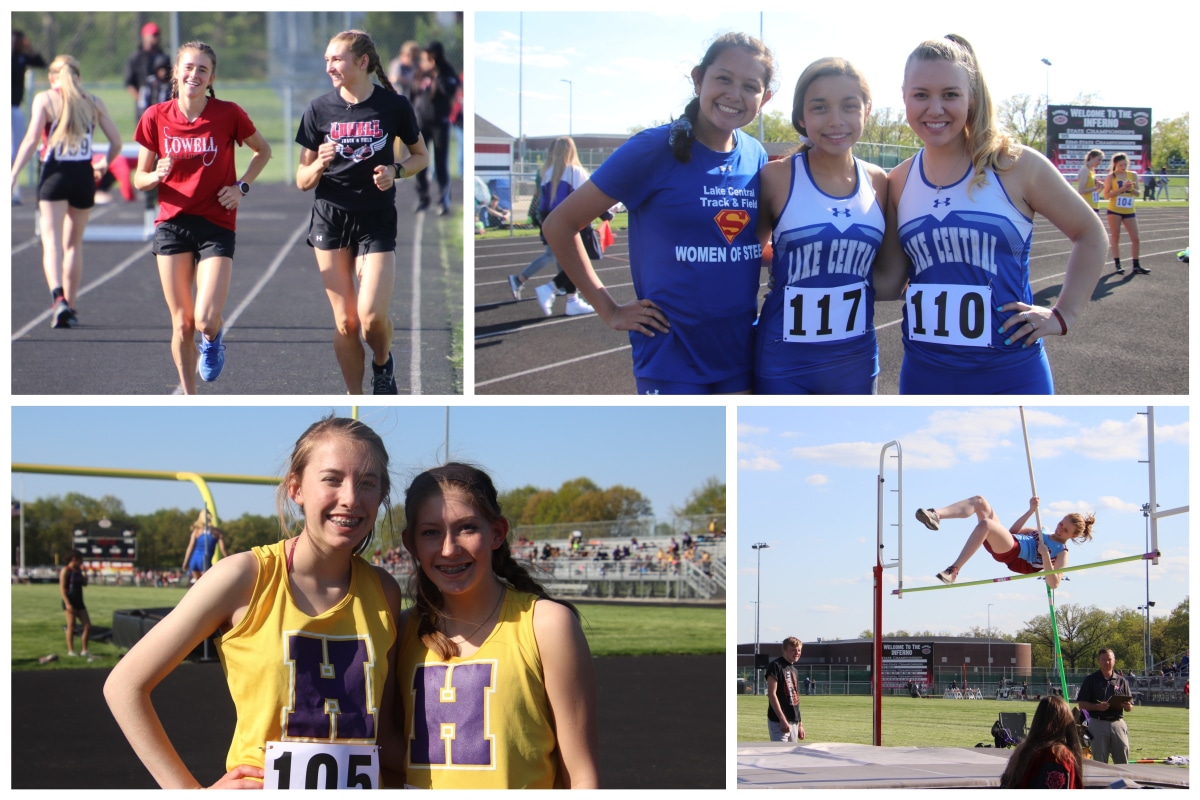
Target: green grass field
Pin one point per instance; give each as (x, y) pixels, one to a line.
(37, 626)
(1154, 731)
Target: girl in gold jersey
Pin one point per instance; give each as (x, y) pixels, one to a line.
(307, 633)
(494, 675)
(1121, 189)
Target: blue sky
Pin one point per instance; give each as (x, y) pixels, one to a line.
(665, 453)
(631, 69)
(806, 485)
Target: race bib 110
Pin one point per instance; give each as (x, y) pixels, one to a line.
(952, 314)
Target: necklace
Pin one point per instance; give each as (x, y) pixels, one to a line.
(953, 175)
(491, 613)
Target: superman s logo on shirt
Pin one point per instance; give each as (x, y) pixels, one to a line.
(731, 222)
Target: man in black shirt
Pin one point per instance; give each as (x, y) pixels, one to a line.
(141, 65)
(783, 695)
(1110, 734)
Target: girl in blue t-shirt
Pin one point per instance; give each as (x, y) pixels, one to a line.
(691, 188)
(823, 211)
(1020, 549)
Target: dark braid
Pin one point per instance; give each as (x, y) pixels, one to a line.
(361, 44)
(427, 599)
(681, 136)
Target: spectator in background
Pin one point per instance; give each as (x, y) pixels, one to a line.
(403, 68)
(1163, 192)
(205, 542)
(783, 694)
(1110, 734)
(1149, 186)
(435, 88)
(23, 57)
(141, 66)
(71, 581)
(1051, 756)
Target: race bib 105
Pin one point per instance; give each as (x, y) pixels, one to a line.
(321, 765)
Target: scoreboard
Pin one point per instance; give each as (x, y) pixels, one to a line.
(107, 547)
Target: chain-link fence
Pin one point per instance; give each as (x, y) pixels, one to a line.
(270, 63)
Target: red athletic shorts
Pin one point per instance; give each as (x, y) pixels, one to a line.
(1012, 559)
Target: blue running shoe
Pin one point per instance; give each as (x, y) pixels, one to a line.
(212, 357)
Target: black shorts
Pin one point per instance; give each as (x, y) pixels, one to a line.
(76, 605)
(363, 232)
(188, 233)
(72, 181)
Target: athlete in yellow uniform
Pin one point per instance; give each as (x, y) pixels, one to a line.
(308, 638)
(1121, 189)
(483, 721)
(1085, 181)
(495, 677)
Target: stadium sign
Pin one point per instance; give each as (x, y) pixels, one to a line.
(907, 662)
(1071, 131)
(107, 548)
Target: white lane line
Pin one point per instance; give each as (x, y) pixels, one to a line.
(103, 279)
(414, 356)
(555, 365)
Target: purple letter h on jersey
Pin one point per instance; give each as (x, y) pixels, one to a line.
(454, 715)
(331, 689)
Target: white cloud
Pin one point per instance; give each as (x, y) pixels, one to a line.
(1115, 504)
(817, 480)
(758, 463)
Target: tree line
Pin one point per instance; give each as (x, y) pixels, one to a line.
(102, 40)
(1023, 115)
(162, 536)
(1082, 631)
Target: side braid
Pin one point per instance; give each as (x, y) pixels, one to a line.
(516, 575)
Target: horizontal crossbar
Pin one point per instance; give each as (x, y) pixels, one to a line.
(1142, 557)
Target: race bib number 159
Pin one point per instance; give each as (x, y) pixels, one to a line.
(950, 314)
(319, 765)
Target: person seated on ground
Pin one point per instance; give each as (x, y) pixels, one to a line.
(1051, 757)
(493, 215)
(1023, 550)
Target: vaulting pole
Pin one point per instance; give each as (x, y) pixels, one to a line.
(1058, 659)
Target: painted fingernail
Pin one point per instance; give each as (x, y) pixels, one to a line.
(1008, 341)
(999, 330)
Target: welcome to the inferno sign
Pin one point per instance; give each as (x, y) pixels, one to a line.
(1071, 131)
(905, 662)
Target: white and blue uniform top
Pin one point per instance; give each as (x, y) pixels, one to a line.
(549, 197)
(1029, 549)
(821, 311)
(969, 254)
(693, 250)
(81, 151)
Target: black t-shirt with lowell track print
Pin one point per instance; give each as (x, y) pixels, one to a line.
(365, 134)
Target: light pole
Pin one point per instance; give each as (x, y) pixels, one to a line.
(989, 637)
(757, 547)
(1046, 61)
(570, 104)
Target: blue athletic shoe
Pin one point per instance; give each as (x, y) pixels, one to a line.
(212, 357)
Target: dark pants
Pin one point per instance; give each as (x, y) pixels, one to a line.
(437, 135)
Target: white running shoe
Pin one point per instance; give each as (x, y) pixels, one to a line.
(545, 297)
(577, 306)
